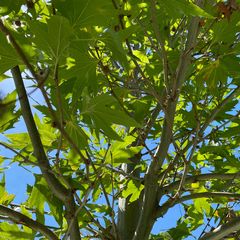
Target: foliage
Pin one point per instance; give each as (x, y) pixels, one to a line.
(140, 114)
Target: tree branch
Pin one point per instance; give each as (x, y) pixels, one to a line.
(172, 202)
(59, 190)
(25, 159)
(20, 218)
(223, 230)
(235, 92)
(208, 195)
(85, 199)
(202, 177)
(187, 163)
(160, 42)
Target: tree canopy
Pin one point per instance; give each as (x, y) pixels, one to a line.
(139, 114)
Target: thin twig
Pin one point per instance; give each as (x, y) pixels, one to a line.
(106, 198)
(161, 43)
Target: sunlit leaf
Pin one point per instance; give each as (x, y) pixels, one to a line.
(77, 134)
(134, 189)
(5, 198)
(12, 231)
(121, 152)
(8, 115)
(184, 7)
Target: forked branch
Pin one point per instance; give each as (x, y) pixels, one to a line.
(20, 218)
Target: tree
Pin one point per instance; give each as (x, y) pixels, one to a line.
(140, 114)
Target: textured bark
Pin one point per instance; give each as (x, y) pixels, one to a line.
(128, 213)
(223, 230)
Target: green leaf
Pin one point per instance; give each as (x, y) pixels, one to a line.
(184, 7)
(5, 198)
(59, 30)
(161, 236)
(229, 132)
(27, 213)
(99, 123)
(8, 115)
(19, 141)
(8, 56)
(12, 232)
(54, 203)
(225, 30)
(3, 77)
(141, 56)
(228, 107)
(7, 6)
(213, 73)
(96, 193)
(2, 169)
(36, 201)
(201, 204)
(86, 12)
(2, 184)
(79, 70)
(140, 107)
(77, 134)
(180, 231)
(46, 131)
(113, 42)
(134, 189)
(74, 160)
(82, 72)
(106, 108)
(217, 150)
(53, 37)
(121, 151)
(105, 111)
(231, 65)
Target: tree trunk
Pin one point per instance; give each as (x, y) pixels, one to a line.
(129, 213)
